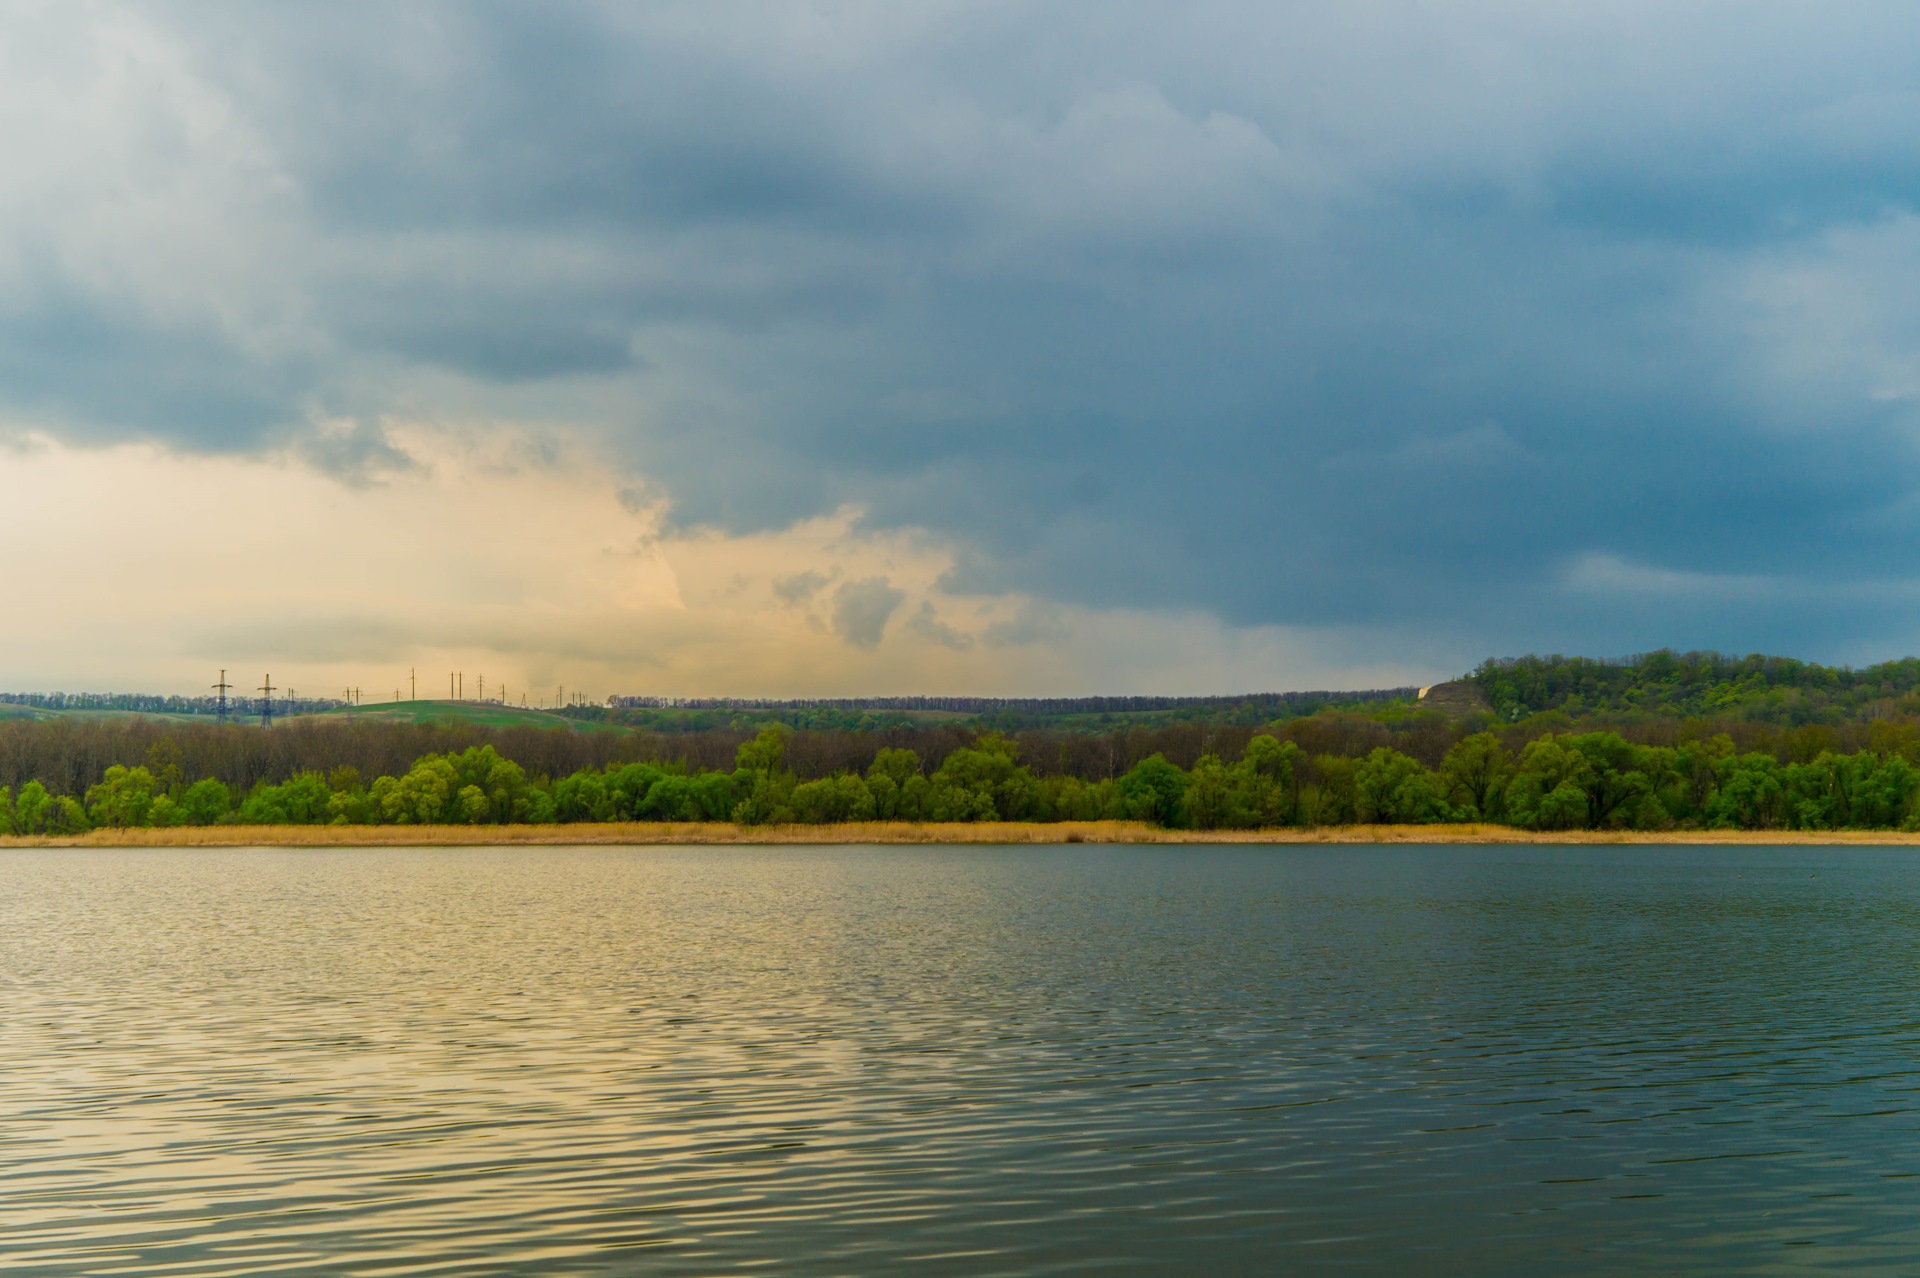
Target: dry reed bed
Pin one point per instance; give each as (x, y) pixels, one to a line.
(1003, 832)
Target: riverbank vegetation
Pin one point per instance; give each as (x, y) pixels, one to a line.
(1328, 771)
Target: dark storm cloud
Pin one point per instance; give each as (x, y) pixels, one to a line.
(93, 364)
(1497, 326)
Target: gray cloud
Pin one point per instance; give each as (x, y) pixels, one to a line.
(861, 610)
(1393, 318)
(927, 624)
(358, 452)
(800, 587)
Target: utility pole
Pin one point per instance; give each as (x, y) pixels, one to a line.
(463, 687)
(266, 703)
(411, 690)
(221, 688)
(449, 685)
(483, 687)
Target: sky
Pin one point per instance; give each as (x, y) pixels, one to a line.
(811, 349)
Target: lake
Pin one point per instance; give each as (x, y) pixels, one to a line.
(1205, 1059)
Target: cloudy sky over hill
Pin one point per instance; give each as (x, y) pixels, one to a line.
(814, 348)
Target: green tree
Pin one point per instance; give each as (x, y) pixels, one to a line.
(675, 796)
(1616, 778)
(1333, 799)
(203, 803)
(68, 817)
(1216, 796)
(833, 799)
(1270, 777)
(33, 811)
(767, 752)
(302, 799)
(1073, 799)
(1548, 791)
(424, 796)
(1476, 772)
(123, 798)
(984, 782)
(1751, 793)
(1154, 790)
(1391, 787)
(899, 790)
(629, 791)
(165, 761)
(471, 805)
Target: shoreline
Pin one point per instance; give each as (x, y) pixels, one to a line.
(665, 834)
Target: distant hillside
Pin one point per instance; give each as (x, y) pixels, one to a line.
(1005, 714)
(485, 714)
(1777, 690)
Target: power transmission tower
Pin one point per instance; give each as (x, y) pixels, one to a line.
(266, 703)
(221, 688)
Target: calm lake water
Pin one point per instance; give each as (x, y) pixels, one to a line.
(1217, 1060)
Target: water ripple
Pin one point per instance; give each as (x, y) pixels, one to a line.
(968, 1061)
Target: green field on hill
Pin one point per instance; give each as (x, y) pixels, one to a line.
(39, 713)
(477, 713)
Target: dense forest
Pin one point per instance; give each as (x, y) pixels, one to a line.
(1650, 743)
(1695, 684)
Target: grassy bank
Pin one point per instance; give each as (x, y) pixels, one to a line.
(989, 832)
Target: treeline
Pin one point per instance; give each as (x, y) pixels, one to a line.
(1573, 780)
(1665, 683)
(998, 714)
(155, 703)
(68, 755)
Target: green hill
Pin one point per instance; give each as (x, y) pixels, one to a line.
(1696, 684)
(477, 713)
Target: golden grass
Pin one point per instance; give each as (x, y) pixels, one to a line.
(643, 833)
